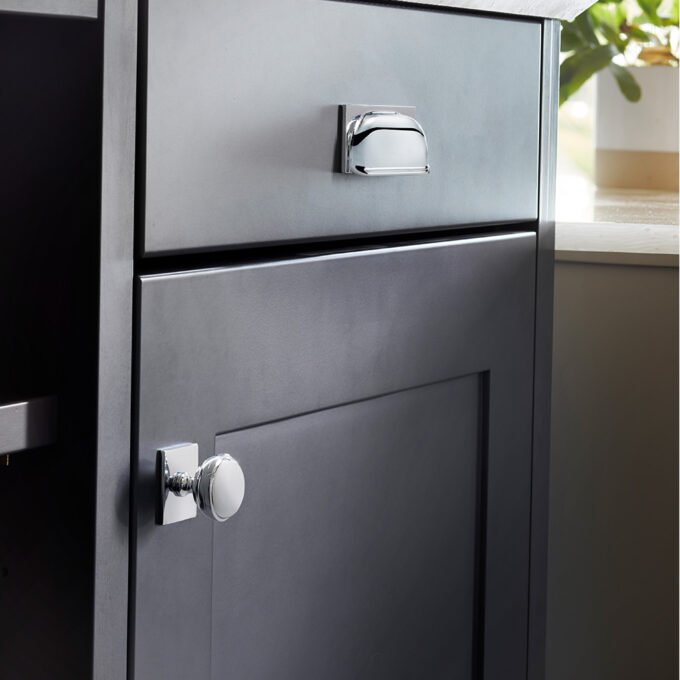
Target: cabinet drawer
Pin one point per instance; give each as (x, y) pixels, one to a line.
(347, 386)
(243, 128)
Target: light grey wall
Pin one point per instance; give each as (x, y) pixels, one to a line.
(613, 571)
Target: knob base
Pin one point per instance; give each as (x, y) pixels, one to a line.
(176, 464)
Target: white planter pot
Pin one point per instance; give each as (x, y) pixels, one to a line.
(636, 144)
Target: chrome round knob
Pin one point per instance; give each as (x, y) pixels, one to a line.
(219, 487)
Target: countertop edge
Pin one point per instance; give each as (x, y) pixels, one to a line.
(648, 245)
(628, 259)
(545, 9)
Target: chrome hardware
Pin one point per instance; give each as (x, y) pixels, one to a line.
(383, 140)
(217, 486)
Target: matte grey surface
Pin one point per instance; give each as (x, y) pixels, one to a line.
(543, 357)
(28, 424)
(68, 8)
(242, 121)
(354, 554)
(228, 348)
(114, 348)
(613, 569)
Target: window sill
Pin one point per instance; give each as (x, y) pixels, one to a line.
(618, 226)
(649, 245)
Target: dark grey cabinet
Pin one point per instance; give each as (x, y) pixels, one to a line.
(374, 352)
(387, 455)
(356, 554)
(242, 138)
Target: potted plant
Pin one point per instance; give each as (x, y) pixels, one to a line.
(633, 46)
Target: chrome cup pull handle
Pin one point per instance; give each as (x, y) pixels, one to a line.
(381, 141)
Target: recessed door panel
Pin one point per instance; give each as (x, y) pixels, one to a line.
(354, 554)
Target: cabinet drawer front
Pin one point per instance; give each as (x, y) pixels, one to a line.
(242, 135)
(268, 362)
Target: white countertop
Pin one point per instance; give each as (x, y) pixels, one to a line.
(550, 9)
(619, 226)
(652, 245)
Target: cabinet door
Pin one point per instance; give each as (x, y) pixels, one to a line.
(379, 403)
(242, 137)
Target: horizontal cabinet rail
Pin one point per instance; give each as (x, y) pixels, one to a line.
(84, 9)
(28, 424)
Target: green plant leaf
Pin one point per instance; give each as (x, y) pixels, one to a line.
(627, 84)
(638, 34)
(579, 67)
(673, 16)
(571, 38)
(612, 36)
(584, 25)
(621, 14)
(605, 14)
(649, 7)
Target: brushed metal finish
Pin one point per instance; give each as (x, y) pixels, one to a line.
(382, 140)
(28, 424)
(234, 159)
